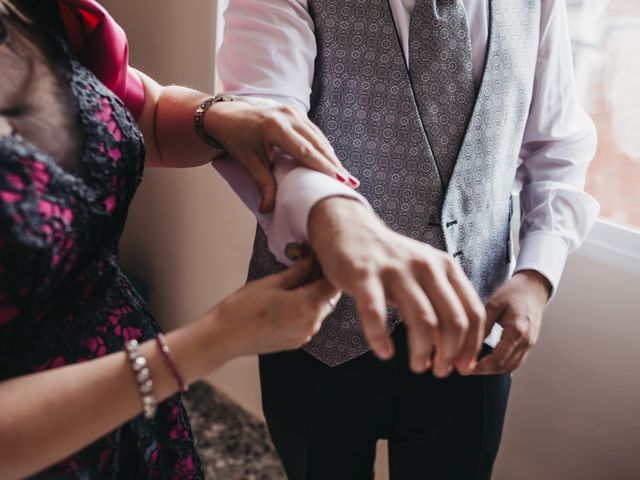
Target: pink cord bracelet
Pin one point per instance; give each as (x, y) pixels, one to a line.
(168, 358)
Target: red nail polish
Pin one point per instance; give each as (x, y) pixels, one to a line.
(340, 178)
(354, 181)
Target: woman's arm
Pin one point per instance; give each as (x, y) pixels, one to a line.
(50, 415)
(251, 131)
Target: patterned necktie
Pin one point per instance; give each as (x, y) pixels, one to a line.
(441, 69)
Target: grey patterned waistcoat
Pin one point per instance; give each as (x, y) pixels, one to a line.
(364, 102)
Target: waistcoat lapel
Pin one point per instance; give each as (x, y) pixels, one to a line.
(477, 202)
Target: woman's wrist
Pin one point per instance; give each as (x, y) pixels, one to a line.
(201, 347)
(217, 119)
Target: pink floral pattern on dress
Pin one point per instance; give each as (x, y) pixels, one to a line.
(63, 297)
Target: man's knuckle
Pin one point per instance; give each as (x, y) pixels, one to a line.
(492, 306)
(286, 109)
(448, 264)
(360, 271)
(304, 151)
(459, 325)
(392, 271)
(425, 266)
(430, 321)
(520, 330)
(418, 263)
(478, 315)
(271, 122)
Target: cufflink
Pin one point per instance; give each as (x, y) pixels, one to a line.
(295, 251)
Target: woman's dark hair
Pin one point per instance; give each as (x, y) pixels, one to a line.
(4, 33)
(8, 8)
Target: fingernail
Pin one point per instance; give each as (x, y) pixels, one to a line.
(385, 351)
(340, 178)
(354, 181)
(468, 368)
(442, 371)
(417, 367)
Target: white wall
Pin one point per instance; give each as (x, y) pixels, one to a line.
(575, 406)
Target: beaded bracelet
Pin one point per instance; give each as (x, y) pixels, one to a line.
(143, 378)
(168, 359)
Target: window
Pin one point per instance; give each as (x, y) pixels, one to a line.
(606, 42)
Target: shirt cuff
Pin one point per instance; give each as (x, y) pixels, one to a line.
(299, 191)
(546, 254)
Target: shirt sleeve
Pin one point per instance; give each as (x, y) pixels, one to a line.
(268, 51)
(286, 226)
(559, 143)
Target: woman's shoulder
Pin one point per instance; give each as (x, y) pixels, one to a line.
(96, 39)
(102, 46)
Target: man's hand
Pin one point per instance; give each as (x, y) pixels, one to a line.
(360, 255)
(517, 306)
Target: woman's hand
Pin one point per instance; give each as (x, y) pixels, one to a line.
(253, 131)
(279, 312)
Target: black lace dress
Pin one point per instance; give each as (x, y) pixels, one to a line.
(63, 298)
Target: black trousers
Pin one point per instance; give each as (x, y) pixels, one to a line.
(325, 421)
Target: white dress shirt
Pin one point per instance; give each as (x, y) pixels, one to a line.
(269, 50)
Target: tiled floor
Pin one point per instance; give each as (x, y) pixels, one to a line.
(232, 443)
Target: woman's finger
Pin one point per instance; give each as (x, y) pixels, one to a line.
(294, 277)
(322, 296)
(303, 151)
(327, 156)
(265, 181)
(321, 134)
(297, 145)
(300, 119)
(315, 136)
